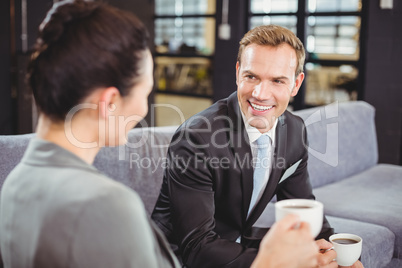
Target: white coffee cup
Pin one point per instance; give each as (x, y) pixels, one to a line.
(310, 211)
(347, 253)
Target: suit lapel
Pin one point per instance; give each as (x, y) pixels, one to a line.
(278, 166)
(242, 153)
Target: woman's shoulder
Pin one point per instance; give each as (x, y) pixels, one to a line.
(92, 186)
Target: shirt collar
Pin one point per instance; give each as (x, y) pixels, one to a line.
(253, 133)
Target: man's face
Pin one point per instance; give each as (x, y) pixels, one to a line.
(265, 83)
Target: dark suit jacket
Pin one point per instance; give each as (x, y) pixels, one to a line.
(207, 186)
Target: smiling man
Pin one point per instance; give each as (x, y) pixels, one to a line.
(208, 208)
(266, 79)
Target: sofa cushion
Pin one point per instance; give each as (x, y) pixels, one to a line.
(395, 263)
(140, 163)
(342, 140)
(373, 196)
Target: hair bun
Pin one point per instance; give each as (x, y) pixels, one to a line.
(60, 17)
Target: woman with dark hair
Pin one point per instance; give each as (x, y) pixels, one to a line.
(91, 74)
(91, 65)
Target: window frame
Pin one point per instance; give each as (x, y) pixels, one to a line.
(302, 15)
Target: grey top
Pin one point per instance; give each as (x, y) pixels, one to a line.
(58, 211)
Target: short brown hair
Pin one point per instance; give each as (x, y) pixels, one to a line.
(273, 35)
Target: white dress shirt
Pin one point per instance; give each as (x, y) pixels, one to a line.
(253, 135)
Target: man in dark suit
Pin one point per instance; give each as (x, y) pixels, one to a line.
(209, 201)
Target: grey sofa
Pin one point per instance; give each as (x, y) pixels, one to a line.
(360, 196)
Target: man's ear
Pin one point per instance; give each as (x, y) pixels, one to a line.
(108, 101)
(237, 71)
(298, 83)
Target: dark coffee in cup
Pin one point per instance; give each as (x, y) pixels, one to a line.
(345, 241)
(348, 248)
(297, 207)
(309, 211)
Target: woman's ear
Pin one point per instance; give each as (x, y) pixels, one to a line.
(107, 101)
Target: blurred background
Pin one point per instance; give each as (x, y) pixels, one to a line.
(354, 52)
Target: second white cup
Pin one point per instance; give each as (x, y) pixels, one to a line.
(310, 211)
(348, 248)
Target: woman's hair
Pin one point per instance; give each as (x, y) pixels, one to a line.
(273, 35)
(82, 46)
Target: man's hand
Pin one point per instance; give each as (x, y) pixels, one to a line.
(326, 254)
(357, 264)
(287, 246)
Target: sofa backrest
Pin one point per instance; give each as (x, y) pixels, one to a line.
(12, 148)
(342, 143)
(342, 140)
(140, 163)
